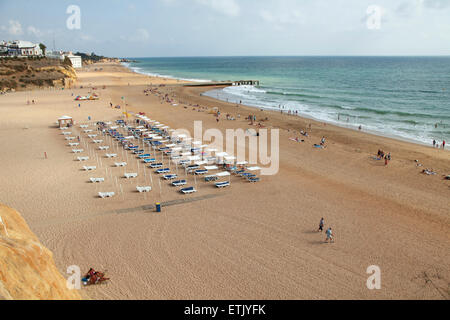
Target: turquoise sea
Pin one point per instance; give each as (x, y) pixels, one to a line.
(403, 97)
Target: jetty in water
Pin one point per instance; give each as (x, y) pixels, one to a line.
(224, 83)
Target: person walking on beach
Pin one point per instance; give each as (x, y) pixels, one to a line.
(443, 144)
(329, 236)
(434, 143)
(321, 225)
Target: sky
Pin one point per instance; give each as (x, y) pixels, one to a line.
(167, 28)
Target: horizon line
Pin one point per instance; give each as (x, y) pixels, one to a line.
(294, 56)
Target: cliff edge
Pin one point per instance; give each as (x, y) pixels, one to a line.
(27, 269)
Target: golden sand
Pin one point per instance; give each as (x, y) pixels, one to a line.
(252, 241)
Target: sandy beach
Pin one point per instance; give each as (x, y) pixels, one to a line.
(250, 241)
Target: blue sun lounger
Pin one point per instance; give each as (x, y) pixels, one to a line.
(192, 168)
(253, 180)
(138, 152)
(223, 184)
(143, 156)
(211, 178)
(156, 165)
(240, 172)
(161, 171)
(200, 172)
(179, 183)
(188, 190)
(149, 160)
(170, 177)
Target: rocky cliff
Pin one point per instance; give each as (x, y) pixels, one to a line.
(27, 269)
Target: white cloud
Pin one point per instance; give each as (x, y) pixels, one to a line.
(140, 35)
(34, 31)
(86, 37)
(14, 28)
(227, 7)
(291, 17)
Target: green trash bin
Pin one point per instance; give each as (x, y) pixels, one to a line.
(158, 207)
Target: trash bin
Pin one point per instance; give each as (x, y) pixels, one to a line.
(158, 207)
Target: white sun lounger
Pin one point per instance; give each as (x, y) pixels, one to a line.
(88, 131)
(97, 180)
(74, 144)
(170, 177)
(78, 150)
(144, 189)
(98, 141)
(179, 183)
(104, 195)
(121, 164)
(92, 136)
(89, 168)
(66, 133)
(111, 155)
(223, 184)
(84, 126)
(83, 159)
(131, 175)
(103, 148)
(63, 128)
(70, 138)
(188, 190)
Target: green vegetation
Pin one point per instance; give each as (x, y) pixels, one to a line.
(92, 57)
(43, 48)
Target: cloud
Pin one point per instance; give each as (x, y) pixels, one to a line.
(436, 4)
(226, 7)
(34, 31)
(14, 28)
(291, 17)
(140, 35)
(86, 37)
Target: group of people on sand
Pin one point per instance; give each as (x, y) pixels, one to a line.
(386, 156)
(437, 145)
(329, 232)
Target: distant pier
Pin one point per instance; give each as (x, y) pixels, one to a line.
(225, 83)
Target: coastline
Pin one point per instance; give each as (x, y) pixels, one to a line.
(248, 242)
(304, 117)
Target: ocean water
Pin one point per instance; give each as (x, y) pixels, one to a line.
(403, 97)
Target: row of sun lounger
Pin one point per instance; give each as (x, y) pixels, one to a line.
(148, 159)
